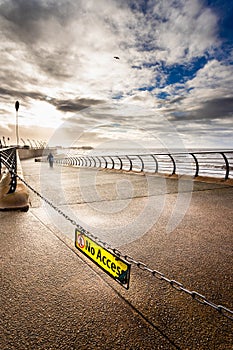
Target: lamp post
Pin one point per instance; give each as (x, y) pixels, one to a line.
(17, 126)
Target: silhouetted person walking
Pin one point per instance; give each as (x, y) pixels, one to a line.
(50, 159)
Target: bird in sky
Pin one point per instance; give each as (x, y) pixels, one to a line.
(116, 57)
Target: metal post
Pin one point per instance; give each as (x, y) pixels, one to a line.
(227, 165)
(112, 162)
(197, 165)
(174, 164)
(99, 161)
(156, 163)
(94, 161)
(106, 162)
(142, 168)
(121, 164)
(130, 163)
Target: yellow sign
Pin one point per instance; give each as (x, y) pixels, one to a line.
(114, 266)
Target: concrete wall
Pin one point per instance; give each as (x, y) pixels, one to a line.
(30, 153)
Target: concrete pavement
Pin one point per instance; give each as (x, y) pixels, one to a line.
(54, 298)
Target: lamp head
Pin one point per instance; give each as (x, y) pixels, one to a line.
(17, 105)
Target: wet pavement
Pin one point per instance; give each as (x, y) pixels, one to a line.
(54, 298)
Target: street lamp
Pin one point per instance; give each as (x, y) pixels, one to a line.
(17, 126)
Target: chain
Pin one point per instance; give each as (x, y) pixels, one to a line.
(160, 276)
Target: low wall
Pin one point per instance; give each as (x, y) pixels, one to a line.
(30, 153)
(18, 200)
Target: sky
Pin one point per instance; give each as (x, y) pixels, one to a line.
(172, 83)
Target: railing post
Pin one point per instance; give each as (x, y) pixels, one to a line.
(99, 161)
(156, 163)
(89, 161)
(112, 162)
(197, 165)
(85, 159)
(106, 163)
(174, 164)
(142, 169)
(130, 162)
(94, 161)
(121, 164)
(227, 165)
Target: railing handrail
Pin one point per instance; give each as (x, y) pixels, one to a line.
(154, 153)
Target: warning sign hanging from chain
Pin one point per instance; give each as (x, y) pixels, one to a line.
(112, 264)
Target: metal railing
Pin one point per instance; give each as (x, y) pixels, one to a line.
(23, 143)
(214, 164)
(8, 159)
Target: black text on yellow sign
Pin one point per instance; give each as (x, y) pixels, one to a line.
(114, 266)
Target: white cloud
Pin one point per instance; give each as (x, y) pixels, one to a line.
(185, 30)
(216, 76)
(81, 49)
(60, 53)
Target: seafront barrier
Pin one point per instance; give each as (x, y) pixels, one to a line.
(14, 195)
(216, 164)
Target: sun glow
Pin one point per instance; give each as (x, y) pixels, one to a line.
(41, 113)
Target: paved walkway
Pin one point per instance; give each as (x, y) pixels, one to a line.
(53, 298)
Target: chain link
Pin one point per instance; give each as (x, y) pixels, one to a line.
(201, 299)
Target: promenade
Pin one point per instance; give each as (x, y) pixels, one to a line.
(52, 297)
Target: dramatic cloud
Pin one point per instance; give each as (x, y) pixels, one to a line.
(57, 58)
